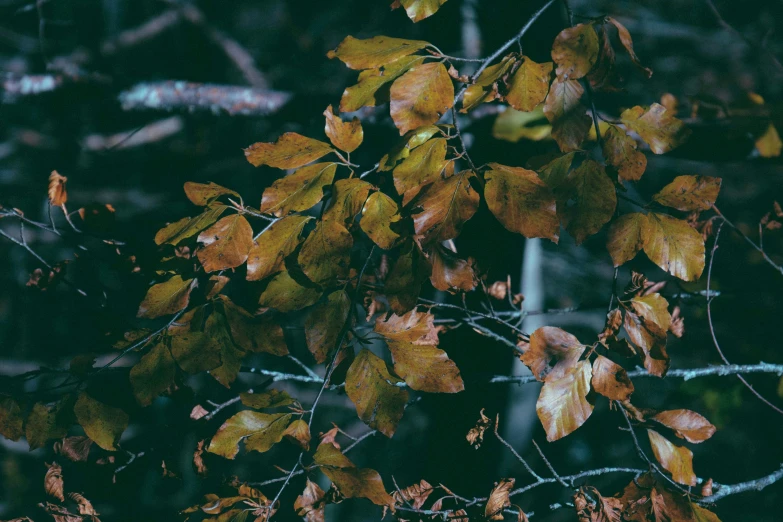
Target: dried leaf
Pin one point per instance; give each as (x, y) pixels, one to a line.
(656, 126)
(421, 96)
(686, 424)
(450, 273)
(75, 449)
(153, 374)
(205, 194)
(620, 152)
(418, 10)
(416, 495)
(198, 412)
(594, 200)
(350, 480)
(291, 150)
(311, 504)
(498, 499)
(676, 460)
(285, 294)
(611, 380)
(346, 136)
(298, 192)
(104, 424)
(552, 352)
(476, 434)
(625, 39)
(689, 193)
(444, 206)
(374, 52)
(562, 405)
(53, 482)
(521, 201)
(260, 431)
(85, 506)
(326, 253)
(624, 237)
(226, 244)
(166, 298)
(575, 51)
(325, 323)
(529, 85)
(57, 194)
(674, 246)
(379, 213)
(379, 401)
(298, 432)
(269, 250)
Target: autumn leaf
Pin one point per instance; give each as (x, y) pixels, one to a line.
(269, 250)
(325, 323)
(379, 401)
(346, 136)
(594, 200)
(421, 96)
(11, 419)
(554, 172)
(350, 480)
(226, 244)
(475, 436)
(298, 191)
(153, 374)
(348, 197)
(512, 125)
(259, 431)
(373, 84)
(418, 10)
(442, 207)
(498, 500)
(326, 253)
(570, 122)
(53, 482)
(186, 227)
(166, 298)
(521, 201)
(424, 165)
(620, 152)
(410, 141)
(416, 494)
(285, 294)
(291, 150)
(686, 424)
(485, 88)
(562, 405)
(689, 193)
(379, 213)
(311, 504)
(205, 194)
(44, 422)
(659, 129)
(450, 273)
(575, 51)
(611, 380)
(298, 432)
(57, 194)
(627, 42)
(624, 237)
(267, 399)
(769, 144)
(374, 52)
(196, 351)
(677, 460)
(104, 424)
(529, 85)
(216, 331)
(551, 353)
(404, 281)
(254, 334)
(674, 246)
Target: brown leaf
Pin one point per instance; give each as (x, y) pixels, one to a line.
(624, 237)
(591, 506)
(269, 250)
(226, 244)
(529, 85)
(379, 401)
(373, 84)
(291, 150)
(646, 323)
(563, 98)
(418, 10)
(594, 200)
(620, 152)
(374, 52)
(686, 424)
(562, 405)
(521, 201)
(204, 194)
(498, 499)
(325, 323)
(311, 504)
(689, 193)
(575, 51)
(346, 136)
(485, 88)
(444, 206)
(260, 431)
(475, 435)
(659, 129)
(198, 412)
(677, 328)
(421, 96)
(416, 495)
(57, 193)
(330, 437)
(450, 273)
(326, 253)
(85, 506)
(403, 284)
(625, 39)
(254, 334)
(298, 432)
(379, 213)
(614, 320)
(611, 380)
(166, 298)
(350, 480)
(215, 284)
(552, 352)
(53, 482)
(299, 191)
(75, 449)
(674, 246)
(676, 460)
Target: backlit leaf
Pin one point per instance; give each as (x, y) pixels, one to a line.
(442, 207)
(260, 431)
(326, 253)
(424, 165)
(226, 243)
(677, 460)
(350, 480)
(325, 323)
(104, 424)
(298, 432)
(674, 246)
(769, 144)
(512, 125)
(620, 152)
(624, 238)
(57, 193)
(521, 201)
(203, 194)
(646, 323)
(374, 52)
(153, 374)
(689, 193)
(562, 405)
(418, 10)
(254, 334)
(611, 380)
(551, 353)
(298, 191)
(269, 250)
(373, 84)
(499, 500)
(421, 96)
(166, 298)
(346, 136)
(283, 293)
(529, 85)
(379, 402)
(563, 98)
(575, 51)
(291, 150)
(379, 213)
(659, 129)
(187, 227)
(686, 424)
(311, 504)
(593, 200)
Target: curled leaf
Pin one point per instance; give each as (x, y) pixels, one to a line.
(498, 499)
(57, 193)
(53, 482)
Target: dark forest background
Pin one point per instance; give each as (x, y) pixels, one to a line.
(694, 58)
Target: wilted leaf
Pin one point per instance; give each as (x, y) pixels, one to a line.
(659, 129)
(348, 197)
(624, 237)
(521, 201)
(298, 432)
(575, 51)
(85, 506)
(166, 298)
(268, 399)
(485, 88)
(325, 323)
(374, 52)
(676, 460)
(226, 244)
(298, 191)
(104, 424)
(594, 200)
(254, 334)
(498, 500)
(291, 150)
(512, 125)
(311, 504)
(260, 431)
(378, 214)
(551, 353)
(187, 227)
(421, 96)
(424, 165)
(451, 273)
(350, 480)
(326, 253)
(620, 152)
(562, 405)
(611, 380)
(625, 39)
(379, 402)
(270, 249)
(418, 10)
(416, 495)
(346, 136)
(283, 293)
(10, 419)
(529, 85)
(373, 84)
(75, 449)
(153, 374)
(651, 338)
(57, 193)
(674, 246)
(686, 424)
(689, 193)
(53, 482)
(475, 435)
(203, 194)
(444, 206)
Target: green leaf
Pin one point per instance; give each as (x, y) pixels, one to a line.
(379, 403)
(299, 191)
(350, 480)
(268, 399)
(104, 424)
(187, 227)
(153, 374)
(325, 322)
(166, 298)
(270, 249)
(291, 150)
(374, 52)
(260, 431)
(195, 351)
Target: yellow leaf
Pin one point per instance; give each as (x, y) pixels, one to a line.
(656, 126)
(689, 193)
(298, 191)
(346, 136)
(624, 238)
(529, 85)
(260, 431)
(166, 298)
(291, 150)
(104, 424)
(374, 52)
(674, 246)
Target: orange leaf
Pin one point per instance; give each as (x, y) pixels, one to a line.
(611, 380)
(57, 193)
(686, 424)
(551, 353)
(346, 136)
(227, 243)
(421, 96)
(562, 405)
(675, 459)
